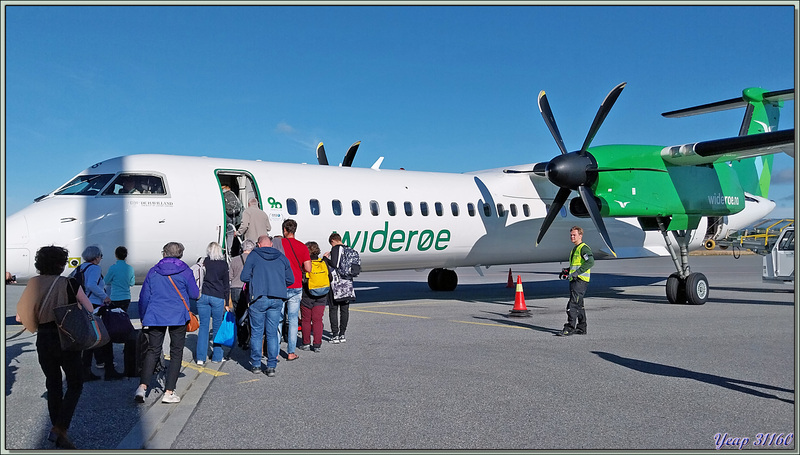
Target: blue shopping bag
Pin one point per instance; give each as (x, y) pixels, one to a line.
(227, 331)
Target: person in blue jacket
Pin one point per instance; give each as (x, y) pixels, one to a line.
(163, 306)
(268, 274)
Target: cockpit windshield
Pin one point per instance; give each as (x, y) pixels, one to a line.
(85, 185)
(131, 184)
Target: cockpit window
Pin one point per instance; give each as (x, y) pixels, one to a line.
(85, 185)
(136, 184)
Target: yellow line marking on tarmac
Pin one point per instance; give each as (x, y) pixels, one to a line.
(396, 305)
(494, 325)
(196, 367)
(390, 314)
(249, 380)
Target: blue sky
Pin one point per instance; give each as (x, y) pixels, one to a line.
(435, 88)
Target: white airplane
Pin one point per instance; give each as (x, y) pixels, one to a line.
(396, 219)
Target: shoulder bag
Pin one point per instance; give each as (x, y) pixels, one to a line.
(193, 323)
(78, 329)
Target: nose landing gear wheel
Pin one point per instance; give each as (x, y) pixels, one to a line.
(442, 280)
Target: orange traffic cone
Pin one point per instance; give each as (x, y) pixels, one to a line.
(519, 310)
(510, 280)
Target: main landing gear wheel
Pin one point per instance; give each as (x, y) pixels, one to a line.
(676, 289)
(442, 280)
(696, 288)
(692, 290)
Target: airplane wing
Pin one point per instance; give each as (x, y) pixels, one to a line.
(734, 148)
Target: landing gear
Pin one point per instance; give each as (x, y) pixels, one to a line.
(442, 280)
(683, 286)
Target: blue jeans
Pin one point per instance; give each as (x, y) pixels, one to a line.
(265, 315)
(292, 313)
(209, 309)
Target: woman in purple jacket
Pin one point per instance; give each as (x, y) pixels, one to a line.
(162, 306)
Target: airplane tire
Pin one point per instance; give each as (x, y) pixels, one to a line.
(433, 279)
(696, 289)
(442, 280)
(709, 244)
(676, 289)
(448, 280)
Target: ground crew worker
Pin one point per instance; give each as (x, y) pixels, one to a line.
(580, 261)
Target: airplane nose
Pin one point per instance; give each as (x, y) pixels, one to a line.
(18, 255)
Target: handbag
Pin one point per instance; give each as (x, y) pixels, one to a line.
(227, 330)
(117, 322)
(342, 289)
(193, 323)
(78, 329)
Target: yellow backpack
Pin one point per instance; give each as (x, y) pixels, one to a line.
(319, 282)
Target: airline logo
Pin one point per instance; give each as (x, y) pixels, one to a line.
(722, 200)
(396, 240)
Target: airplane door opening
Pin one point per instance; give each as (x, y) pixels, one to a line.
(243, 188)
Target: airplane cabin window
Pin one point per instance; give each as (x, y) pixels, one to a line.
(291, 206)
(409, 208)
(513, 208)
(526, 210)
(454, 208)
(423, 208)
(314, 206)
(471, 209)
(390, 207)
(336, 205)
(487, 209)
(374, 208)
(501, 211)
(356, 208)
(439, 208)
(129, 184)
(85, 185)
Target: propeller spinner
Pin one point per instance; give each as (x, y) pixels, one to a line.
(575, 170)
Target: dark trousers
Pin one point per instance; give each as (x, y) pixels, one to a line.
(177, 339)
(61, 405)
(575, 310)
(339, 326)
(311, 321)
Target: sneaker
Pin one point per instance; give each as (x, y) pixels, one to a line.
(316, 348)
(342, 339)
(171, 397)
(201, 363)
(139, 395)
(255, 370)
(566, 332)
(101, 365)
(580, 332)
(334, 339)
(270, 372)
(304, 347)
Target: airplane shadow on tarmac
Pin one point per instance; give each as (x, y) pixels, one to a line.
(605, 285)
(738, 385)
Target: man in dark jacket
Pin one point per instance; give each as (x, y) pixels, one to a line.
(267, 273)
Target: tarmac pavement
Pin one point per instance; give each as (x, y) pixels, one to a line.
(424, 370)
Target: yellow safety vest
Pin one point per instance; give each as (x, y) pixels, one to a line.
(575, 261)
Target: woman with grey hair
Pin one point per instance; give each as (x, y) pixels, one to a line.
(238, 297)
(163, 307)
(90, 277)
(213, 303)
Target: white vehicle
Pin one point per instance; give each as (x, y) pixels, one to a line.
(400, 219)
(779, 261)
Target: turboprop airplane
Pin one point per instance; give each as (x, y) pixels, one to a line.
(400, 219)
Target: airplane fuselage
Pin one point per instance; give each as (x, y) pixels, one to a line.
(396, 219)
